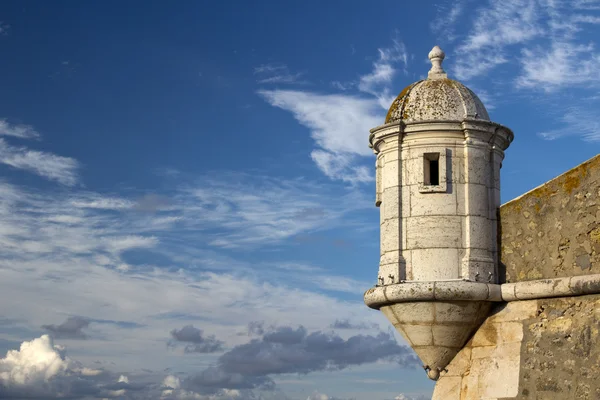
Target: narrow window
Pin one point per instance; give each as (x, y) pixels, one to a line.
(431, 169)
(434, 172)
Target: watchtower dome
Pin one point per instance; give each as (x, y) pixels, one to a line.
(438, 190)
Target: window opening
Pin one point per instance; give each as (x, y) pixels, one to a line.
(431, 169)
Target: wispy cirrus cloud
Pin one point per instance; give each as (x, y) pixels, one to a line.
(577, 121)
(277, 73)
(448, 14)
(547, 46)
(18, 130)
(385, 67)
(47, 165)
(495, 27)
(543, 37)
(77, 258)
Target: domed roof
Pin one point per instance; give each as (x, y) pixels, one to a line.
(436, 98)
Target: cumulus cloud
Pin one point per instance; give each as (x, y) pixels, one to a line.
(36, 362)
(72, 328)
(197, 342)
(41, 370)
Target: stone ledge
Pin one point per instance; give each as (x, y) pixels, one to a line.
(459, 290)
(431, 291)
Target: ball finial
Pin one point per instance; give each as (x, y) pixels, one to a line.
(437, 55)
(433, 374)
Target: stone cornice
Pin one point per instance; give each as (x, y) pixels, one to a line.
(496, 135)
(406, 292)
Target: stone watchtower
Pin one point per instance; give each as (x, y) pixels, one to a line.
(438, 190)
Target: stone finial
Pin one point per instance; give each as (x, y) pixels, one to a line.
(437, 55)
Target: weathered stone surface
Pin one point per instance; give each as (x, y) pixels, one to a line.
(534, 349)
(554, 230)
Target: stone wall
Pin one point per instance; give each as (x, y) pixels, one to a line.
(554, 230)
(545, 348)
(536, 349)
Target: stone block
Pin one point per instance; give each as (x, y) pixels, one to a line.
(473, 200)
(450, 335)
(413, 313)
(390, 175)
(460, 363)
(391, 273)
(480, 233)
(514, 311)
(477, 168)
(434, 264)
(424, 204)
(461, 311)
(390, 235)
(434, 232)
(413, 171)
(447, 388)
(390, 205)
(418, 335)
(510, 332)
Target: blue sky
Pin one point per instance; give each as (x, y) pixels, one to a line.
(186, 190)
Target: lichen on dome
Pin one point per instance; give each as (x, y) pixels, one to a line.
(436, 98)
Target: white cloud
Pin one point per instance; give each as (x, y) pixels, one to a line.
(339, 124)
(33, 364)
(19, 130)
(101, 202)
(341, 166)
(70, 257)
(47, 165)
(543, 36)
(120, 244)
(377, 82)
(317, 396)
(171, 382)
(564, 64)
(497, 26)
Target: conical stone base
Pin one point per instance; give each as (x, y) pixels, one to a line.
(437, 330)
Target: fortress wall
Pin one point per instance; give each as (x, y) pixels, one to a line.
(545, 348)
(554, 230)
(535, 349)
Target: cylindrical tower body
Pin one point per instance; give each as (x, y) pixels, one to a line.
(438, 186)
